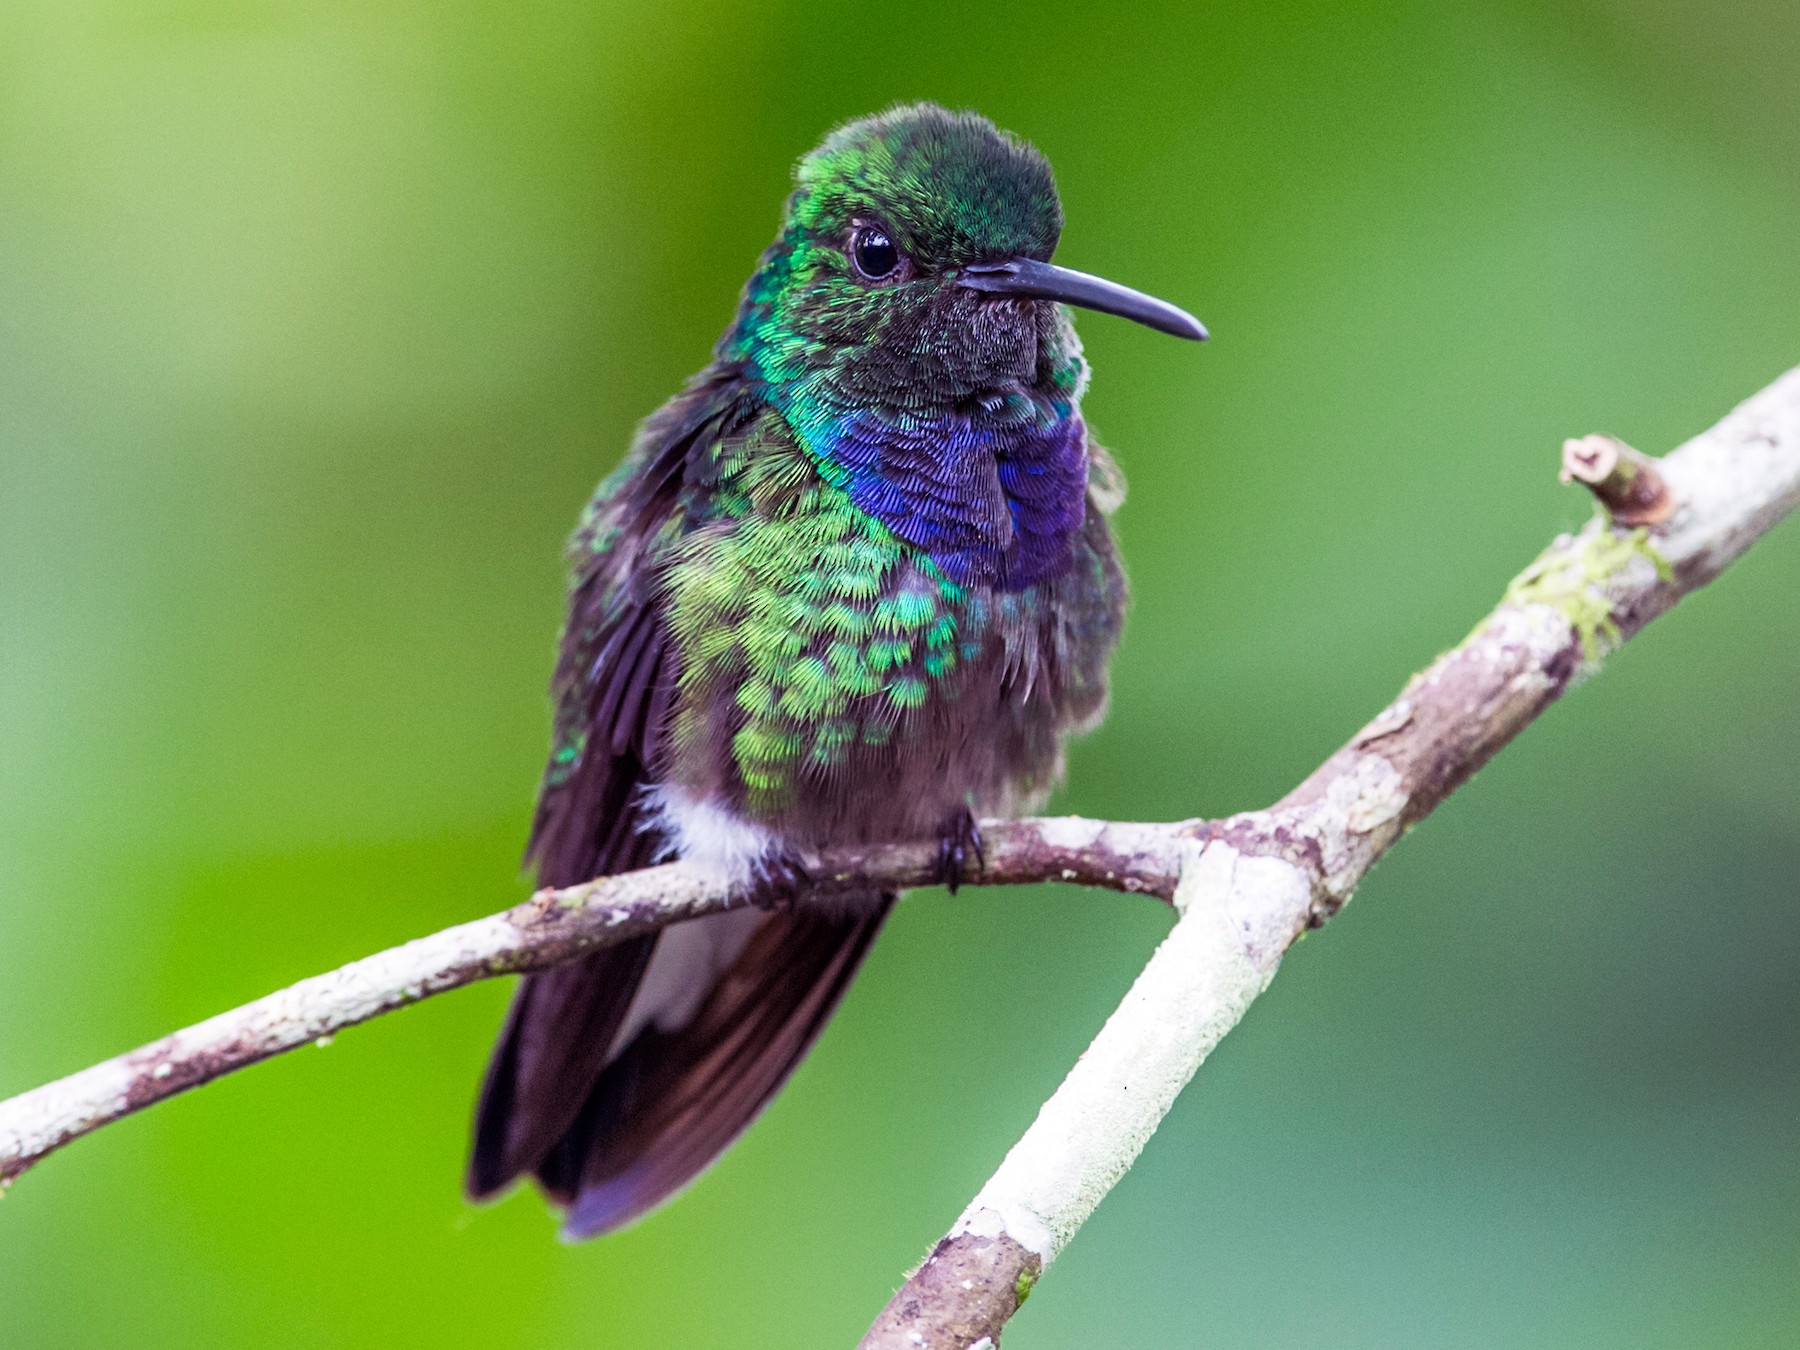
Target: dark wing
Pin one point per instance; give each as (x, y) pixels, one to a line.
(610, 1131)
(614, 681)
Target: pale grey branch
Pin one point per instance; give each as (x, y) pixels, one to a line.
(550, 928)
(1253, 883)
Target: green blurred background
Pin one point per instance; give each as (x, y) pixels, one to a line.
(320, 318)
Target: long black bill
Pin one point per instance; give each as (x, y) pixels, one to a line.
(1046, 281)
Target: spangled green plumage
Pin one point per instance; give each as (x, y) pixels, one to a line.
(797, 612)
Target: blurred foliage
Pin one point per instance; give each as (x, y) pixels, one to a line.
(319, 319)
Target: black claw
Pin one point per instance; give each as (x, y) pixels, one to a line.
(958, 842)
(784, 879)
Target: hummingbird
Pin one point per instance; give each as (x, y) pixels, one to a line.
(854, 584)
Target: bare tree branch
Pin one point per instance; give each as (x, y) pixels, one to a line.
(552, 927)
(1244, 887)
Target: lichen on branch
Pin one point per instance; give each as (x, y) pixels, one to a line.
(1577, 576)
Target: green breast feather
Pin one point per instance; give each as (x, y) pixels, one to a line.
(806, 613)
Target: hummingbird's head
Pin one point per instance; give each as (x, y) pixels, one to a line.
(905, 323)
(915, 255)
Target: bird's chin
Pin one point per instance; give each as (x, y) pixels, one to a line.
(997, 340)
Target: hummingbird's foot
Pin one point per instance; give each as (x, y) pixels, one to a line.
(959, 843)
(784, 878)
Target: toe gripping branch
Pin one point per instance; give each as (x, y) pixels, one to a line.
(785, 877)
(959, 842)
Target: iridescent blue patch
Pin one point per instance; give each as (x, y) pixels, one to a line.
(992, 504)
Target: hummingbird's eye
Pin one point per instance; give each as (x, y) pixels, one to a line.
(874, 253)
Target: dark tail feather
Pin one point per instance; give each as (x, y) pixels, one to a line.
(561, 1024)
(550, 1053)
(673, 1101)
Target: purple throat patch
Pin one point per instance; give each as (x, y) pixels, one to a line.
(994, 505)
